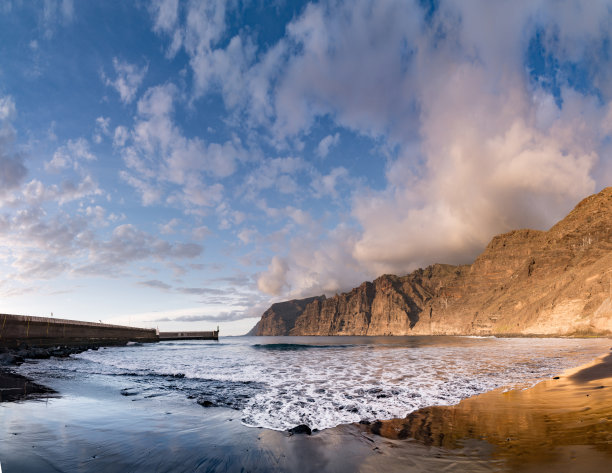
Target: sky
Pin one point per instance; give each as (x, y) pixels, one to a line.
(185, 164)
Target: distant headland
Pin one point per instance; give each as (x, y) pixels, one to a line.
(525, 283)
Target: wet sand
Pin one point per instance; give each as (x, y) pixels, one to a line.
(560, 424)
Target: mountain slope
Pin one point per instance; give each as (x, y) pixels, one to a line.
(526, 282)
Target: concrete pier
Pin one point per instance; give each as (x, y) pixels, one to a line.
(48, 331)
(212, 335)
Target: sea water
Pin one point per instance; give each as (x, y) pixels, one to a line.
(280, 382)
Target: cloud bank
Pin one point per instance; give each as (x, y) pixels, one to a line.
(492, 122)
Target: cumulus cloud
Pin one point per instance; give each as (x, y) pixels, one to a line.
(273, 281)
(128, 78)
(278, 173)
(231, 66)
(70, 155)
(7, 108)
(201, 232)
(169, 228)
(326, 185)
(163, 161)
(120, 136)
(165, 13)
(246, 235)
(102, 129)
(327, 143)
(492, 162)
(481, 141)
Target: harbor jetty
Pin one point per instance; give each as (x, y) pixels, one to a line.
(49, 331)
(211, 335)
(19, 330)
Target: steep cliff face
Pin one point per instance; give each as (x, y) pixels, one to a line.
(280, 318)
(525, 282)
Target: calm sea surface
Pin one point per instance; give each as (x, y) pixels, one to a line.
(280, 382)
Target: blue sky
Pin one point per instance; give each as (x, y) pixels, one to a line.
(186, 164)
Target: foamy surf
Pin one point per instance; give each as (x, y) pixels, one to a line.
(324, 382)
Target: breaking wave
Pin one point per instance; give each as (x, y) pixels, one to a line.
(323, 382)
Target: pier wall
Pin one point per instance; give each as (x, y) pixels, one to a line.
(212, 335)
(48, 331)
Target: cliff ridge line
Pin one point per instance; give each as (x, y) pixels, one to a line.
(525, 282)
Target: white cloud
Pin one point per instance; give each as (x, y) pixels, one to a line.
(70, 155)
(352, 64)
(102, 129)
(165, 13)
(98, 215)
(326, 185)
(169, 228)
(317, 263)
(278, 173)
(200, 233)
(128, 78)
(327, 143)
(36, 193)
(120, 136)
(477, 147)
(7, 108)
(165, 161)
(299, 216)
(246, 235)
(149, 193)
(221, 64)
(273, 281)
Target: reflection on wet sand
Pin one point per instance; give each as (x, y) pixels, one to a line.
(561, 423)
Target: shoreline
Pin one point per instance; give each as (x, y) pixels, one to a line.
(559, 424)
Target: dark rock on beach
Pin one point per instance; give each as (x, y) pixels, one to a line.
(8, 359)
(300, 429)
(12, 357)
(14, 387)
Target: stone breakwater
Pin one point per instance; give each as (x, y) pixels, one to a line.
(17, 330)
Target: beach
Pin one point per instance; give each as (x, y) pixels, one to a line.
(562, 424)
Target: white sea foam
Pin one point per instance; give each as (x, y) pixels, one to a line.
(325, 382)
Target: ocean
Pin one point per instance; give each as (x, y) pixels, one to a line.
(280, 382)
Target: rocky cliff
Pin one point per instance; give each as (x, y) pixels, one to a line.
(526, 282)
(280, 318)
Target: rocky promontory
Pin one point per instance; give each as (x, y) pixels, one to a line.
(526, 282)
